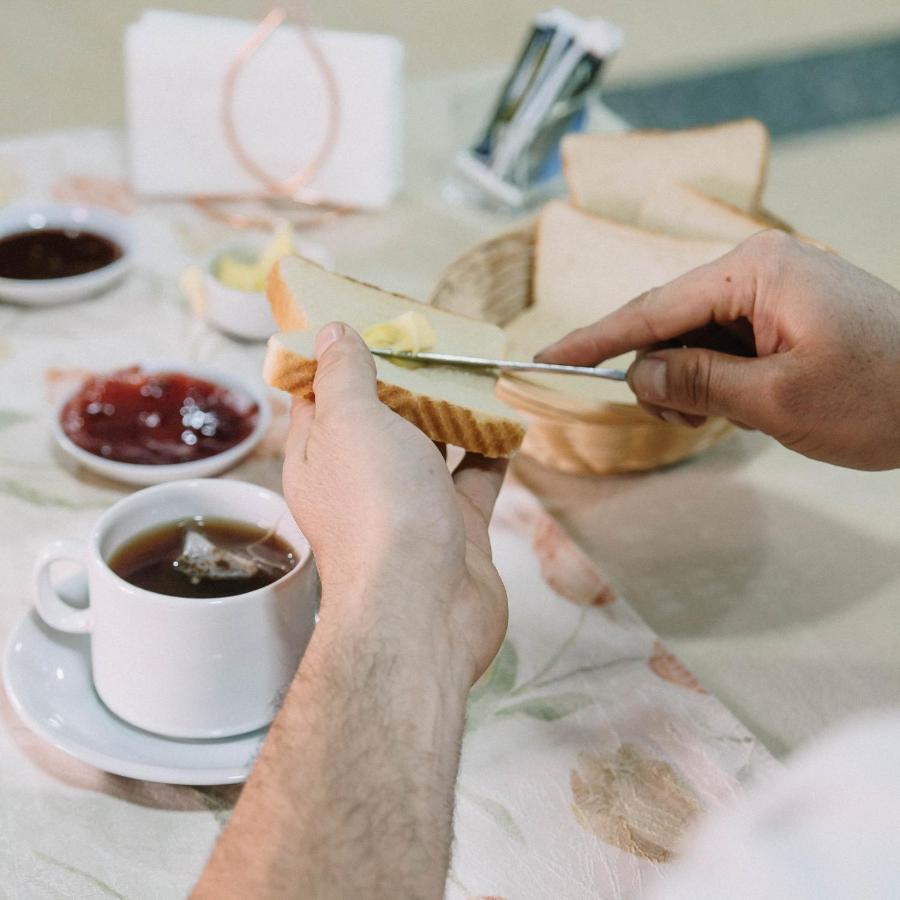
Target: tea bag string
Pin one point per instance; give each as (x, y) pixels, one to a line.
(311, 206)
(256, 556)
(273, 530)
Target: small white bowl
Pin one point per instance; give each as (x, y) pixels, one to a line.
(135, 473)
(246, 314)
(45, 291)
(241, 314)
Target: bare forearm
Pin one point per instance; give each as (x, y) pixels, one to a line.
(353, 791)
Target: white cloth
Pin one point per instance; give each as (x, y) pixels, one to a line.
(826, 828)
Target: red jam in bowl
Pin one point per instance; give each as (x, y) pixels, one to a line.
(156, 419)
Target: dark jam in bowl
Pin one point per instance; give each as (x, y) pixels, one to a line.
(156, 419)
(54, 253)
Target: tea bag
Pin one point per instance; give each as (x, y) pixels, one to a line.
(201, 559)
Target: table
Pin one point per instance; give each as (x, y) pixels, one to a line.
(726, 531)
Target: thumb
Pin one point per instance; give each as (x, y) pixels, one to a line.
(345, 374)
(706, 383)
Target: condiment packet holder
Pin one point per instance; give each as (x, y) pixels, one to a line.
(515, 162)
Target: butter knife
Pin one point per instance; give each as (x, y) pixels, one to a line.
(501, 365)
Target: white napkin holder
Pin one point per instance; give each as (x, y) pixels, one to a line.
(175, 67)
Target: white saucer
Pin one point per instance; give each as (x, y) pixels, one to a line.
(47, 675)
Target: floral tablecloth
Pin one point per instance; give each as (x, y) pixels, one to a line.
(589, 748)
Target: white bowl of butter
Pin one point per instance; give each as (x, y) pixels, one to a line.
(234, 284)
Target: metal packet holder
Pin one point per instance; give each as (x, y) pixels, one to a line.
(516, 162)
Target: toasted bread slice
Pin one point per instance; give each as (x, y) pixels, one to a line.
(682, 211)
(451, 406)
(585, 268)
(610, 174)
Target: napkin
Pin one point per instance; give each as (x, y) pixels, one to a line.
(175, 64)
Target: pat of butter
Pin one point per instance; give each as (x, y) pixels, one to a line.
(410, 332)
(250, 275)
(240, 275)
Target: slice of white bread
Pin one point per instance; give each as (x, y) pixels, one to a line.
(585, 268)
(452, 406)
(610, 174)
(683, 211)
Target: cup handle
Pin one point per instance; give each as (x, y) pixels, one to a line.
(50, 606)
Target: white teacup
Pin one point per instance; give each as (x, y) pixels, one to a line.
(187, 667)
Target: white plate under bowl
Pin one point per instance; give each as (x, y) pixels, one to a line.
(46, 291)
(145, 475)
(47, 675)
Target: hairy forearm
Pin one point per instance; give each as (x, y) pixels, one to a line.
(352, 794)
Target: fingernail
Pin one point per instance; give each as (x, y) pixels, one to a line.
(649, 379)
(327, 336)
(674, 418)
(539, 356)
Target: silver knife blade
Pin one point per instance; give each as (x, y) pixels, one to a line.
(502, 365)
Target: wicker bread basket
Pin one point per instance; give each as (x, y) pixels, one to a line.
(493, 281)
